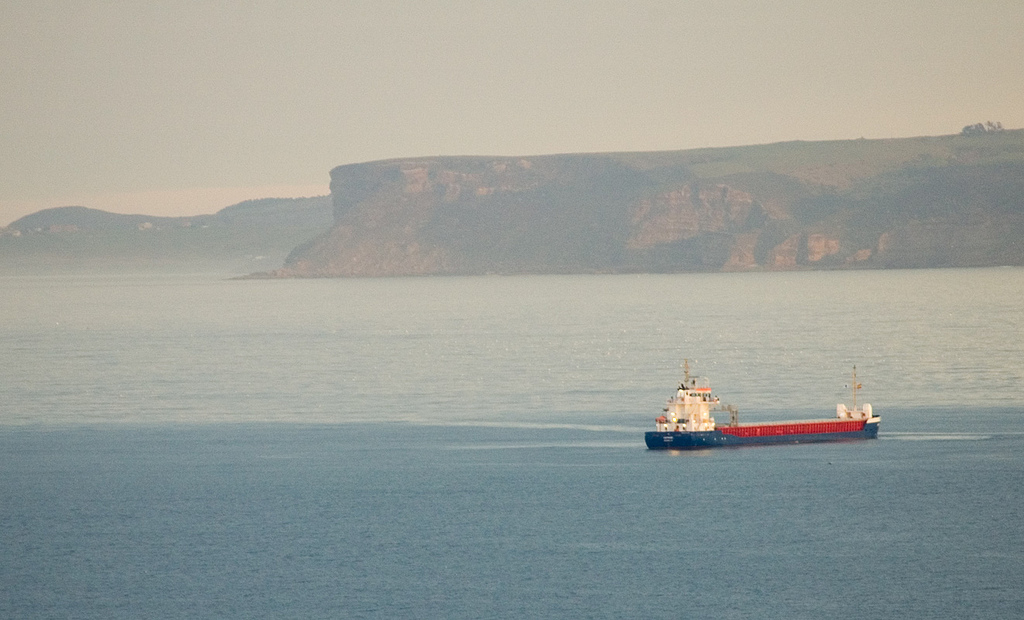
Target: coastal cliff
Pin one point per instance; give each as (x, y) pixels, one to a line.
(948, 201)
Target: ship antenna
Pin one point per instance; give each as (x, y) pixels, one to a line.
(686, 372)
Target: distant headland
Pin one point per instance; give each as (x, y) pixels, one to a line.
(944, 201)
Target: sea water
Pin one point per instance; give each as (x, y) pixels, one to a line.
(188, 446)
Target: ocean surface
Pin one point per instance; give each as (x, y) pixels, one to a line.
(186, 446)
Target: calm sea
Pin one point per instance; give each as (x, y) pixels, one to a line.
(184, 446)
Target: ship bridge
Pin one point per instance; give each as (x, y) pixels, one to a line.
(690, 408)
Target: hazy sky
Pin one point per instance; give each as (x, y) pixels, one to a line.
(186, 107)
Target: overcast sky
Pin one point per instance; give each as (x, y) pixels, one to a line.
(166, 108)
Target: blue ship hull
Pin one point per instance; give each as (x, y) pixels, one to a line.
(657, 440)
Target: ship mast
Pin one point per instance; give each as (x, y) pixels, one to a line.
(855, 386)
(686, 372)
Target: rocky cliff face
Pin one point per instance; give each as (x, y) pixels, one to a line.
(946, 201)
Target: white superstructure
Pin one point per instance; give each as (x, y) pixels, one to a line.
(690, 408)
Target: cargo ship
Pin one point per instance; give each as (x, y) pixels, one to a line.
(687, 423)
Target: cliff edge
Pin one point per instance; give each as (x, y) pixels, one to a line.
(946, 201)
